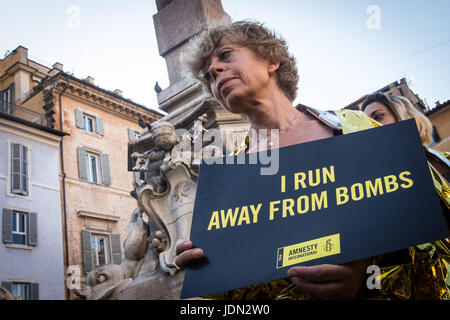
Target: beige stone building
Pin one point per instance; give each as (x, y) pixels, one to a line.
(396, 88)
(95, 182)
(440, 118)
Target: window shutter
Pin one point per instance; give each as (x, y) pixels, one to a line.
(79, 118)
(32, 228)
(82, 170)
(7, 285)
(33, 291)
(7, 225)
(106, 176)
(99, 127)
(24, 173)
(12, 97)
(131, 136)
(16, 168)
(2, 104)
(116, 252)
(88, 263)
(137, 176)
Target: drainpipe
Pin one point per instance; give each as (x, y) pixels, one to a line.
(61, 148)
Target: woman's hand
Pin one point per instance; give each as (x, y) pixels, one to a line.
(330, 281)
(186, 254)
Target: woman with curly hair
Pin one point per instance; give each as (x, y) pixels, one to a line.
(248, 70)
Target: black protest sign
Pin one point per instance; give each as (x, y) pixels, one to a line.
(332, 201)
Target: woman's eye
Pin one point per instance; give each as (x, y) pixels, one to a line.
(378, 117)
(224, 55)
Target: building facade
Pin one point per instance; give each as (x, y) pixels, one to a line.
(32, 264)
(440, 118)
(94, 180)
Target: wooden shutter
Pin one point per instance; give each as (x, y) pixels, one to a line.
(7, 225)
(137, 176)
(99, 127)
(2, 103)
(32, 229)
(24, 173)
(88, 262)
(106, 175)
(116, 251)
(79, 118)
(82, 169)
(16, 168)
(131, 135)
(19, 169)
(33, 291)
(12, 97)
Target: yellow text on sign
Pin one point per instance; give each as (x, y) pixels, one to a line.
(309, 250)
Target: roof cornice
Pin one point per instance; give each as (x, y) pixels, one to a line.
(101, 99)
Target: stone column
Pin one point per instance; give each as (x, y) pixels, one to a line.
(176, 22)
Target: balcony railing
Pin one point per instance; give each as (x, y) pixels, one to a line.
(23, 113)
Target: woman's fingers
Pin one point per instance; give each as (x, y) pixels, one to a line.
(187, 254)
(330, 281)
(183, 246)
(319, 273)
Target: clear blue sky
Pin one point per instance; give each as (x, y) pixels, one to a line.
(341, 52)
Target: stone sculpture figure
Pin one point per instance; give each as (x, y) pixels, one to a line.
(166, 196)
(6, 295)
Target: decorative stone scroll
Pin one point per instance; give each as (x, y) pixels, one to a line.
(166, 195)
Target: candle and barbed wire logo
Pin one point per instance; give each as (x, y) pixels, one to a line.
(328, 246)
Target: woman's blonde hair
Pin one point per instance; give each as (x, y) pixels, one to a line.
(403, 109)
(252, 35)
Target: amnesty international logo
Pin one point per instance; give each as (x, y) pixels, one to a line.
(309, 250)
(328, 246)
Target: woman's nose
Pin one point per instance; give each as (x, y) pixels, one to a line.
(216, 67)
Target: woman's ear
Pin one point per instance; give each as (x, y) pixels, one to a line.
(273, 66)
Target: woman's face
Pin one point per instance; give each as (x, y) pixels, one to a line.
(237, 75)
(379, 112)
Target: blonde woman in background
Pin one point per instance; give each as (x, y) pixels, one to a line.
(387, 109)
(424, 270)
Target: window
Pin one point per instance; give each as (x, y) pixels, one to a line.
(100, 249)
(88, 123)
(133, 135)
(92, 166)
(19, 227)
(19, 169)
(7, 99)
(20, 290)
